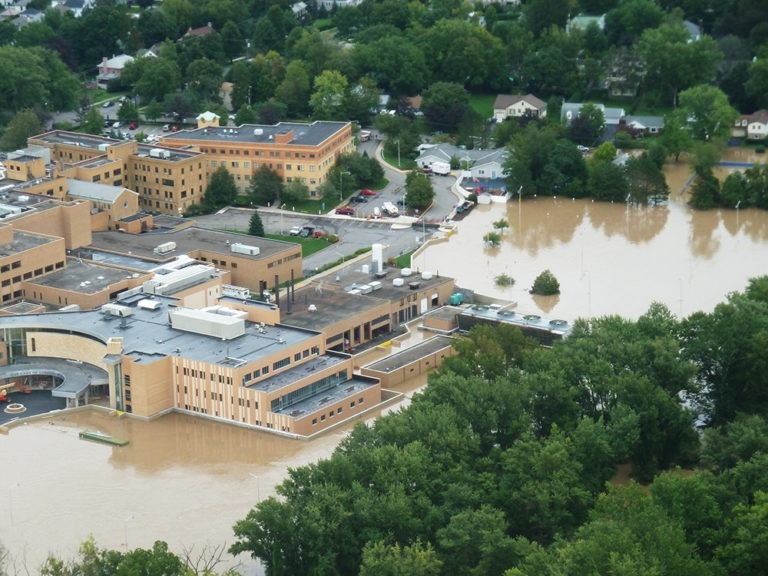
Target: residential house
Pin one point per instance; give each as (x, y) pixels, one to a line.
(201, 31)
(624, 72)
(640, 126)
(571, 110)
(207, 119)
(111, 69)
(479, 163)
(299, 10)
(518, 106)
(77, 7)
(582, 22)
(757, 129)
(331, 4)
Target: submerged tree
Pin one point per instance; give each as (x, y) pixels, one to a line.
(545, 284)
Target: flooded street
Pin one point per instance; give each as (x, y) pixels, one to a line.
(181, 479)
(187, 480)
(608, 258)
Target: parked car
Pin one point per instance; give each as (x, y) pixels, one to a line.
(346, 210)
(306, 231)
(367, 192)
(107, 104)
(358, 199)
(295, 231)
(133, 125)
(318, 234)
(166, 128)
(175, 128)
(116, 125)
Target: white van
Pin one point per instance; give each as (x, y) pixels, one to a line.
(390, 209)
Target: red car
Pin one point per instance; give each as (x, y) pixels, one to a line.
(366, 192)
(318, 234)
(133, 125)
(346, 210)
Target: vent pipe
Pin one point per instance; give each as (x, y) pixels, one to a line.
(277, 290)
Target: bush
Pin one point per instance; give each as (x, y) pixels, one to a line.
(504, 280)
(546, 284)
(760, 149)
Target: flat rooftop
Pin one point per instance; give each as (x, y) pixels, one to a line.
(330, 306)
(287, 377)
(176, 153)
(76, 139)
(304, 134)
(500, 314)
(411, 354)
(148, 336)
(24, 241)
(85, 277)
(187, 240)
(311, 405)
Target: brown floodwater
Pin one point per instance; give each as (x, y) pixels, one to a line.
(181, 479)
(187, 480)
(609, 258)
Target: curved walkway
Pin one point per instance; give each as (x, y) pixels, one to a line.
(75, 377)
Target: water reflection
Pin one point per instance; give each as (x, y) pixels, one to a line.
(609, 258)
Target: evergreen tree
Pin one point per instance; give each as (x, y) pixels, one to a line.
(256, 226)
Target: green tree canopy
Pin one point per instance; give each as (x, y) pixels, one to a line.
(419, 192)
(221, 190)
(23, 125)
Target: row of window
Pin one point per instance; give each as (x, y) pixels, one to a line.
(257, 153)
(28, 275)
(286, 259)
(333, 413)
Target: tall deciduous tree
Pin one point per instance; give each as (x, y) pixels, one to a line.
(23, 125)
(708, 113)
(419, 191)
(221, 190)
(445, 104)
(266, 186)
(675, 62)
(93, 122)
(328, 99)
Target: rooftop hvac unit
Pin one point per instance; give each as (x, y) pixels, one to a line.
(165, 247)
(426, 275)
(148, 304)
(414, 285)
(398, 282)
(375, 285)
(239, 248)
(258, 131)
(160, 153)
(406, 272)
(116, 310)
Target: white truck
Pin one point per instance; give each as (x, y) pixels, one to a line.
(389, 209)
(441, 168)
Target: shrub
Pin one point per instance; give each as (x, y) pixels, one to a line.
(546, 284)
(760, 149)
(504, 280)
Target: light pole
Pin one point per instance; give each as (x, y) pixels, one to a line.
(737, 212)
(281, 219)
(341, 185)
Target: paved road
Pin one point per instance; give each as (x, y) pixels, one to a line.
(399, 235)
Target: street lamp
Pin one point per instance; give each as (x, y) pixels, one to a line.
(341, 185)
(281, 219)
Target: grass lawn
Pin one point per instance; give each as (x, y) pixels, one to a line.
(405, 163)
(482, 104)
(404, 260)
(308, 245)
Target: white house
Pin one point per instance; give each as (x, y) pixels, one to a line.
(518, 106)
(571, 110)
(480, 163)
(751, 126)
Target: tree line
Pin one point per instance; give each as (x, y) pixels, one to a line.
(509, 462)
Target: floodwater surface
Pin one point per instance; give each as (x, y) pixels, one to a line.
(187, 480)
(182, 479)
(608, 258)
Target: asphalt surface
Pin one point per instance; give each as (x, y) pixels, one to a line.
(398, 235)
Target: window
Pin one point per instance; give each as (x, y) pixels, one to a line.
(281, 363)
